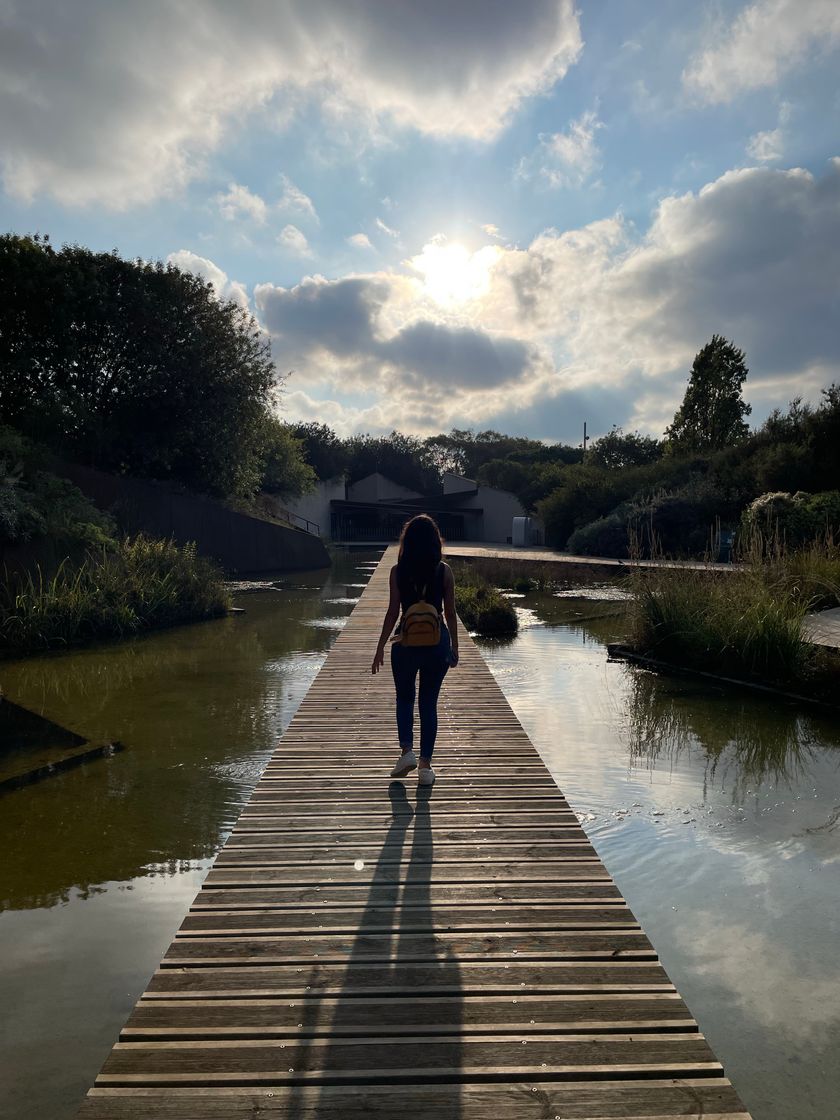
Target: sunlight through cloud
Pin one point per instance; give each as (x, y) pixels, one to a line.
(451, 274)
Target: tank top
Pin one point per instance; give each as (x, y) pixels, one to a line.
(434, 594)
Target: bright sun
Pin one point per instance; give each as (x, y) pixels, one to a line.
(451, 273)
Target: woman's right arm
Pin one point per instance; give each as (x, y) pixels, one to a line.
(391, 616)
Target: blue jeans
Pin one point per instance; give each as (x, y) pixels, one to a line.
(431, 662)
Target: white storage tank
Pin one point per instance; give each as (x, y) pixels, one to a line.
(521, 532)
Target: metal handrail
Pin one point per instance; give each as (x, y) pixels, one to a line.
(302, 522)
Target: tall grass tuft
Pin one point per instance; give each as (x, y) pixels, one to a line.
(747, 622)
(481, 606)
(139, 584)
(735, 625)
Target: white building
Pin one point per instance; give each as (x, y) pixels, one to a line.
(375, 509)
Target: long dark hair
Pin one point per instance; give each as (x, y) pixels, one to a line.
(421, 549)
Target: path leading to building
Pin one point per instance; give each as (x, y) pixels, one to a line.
(568, 562)
(367, 950)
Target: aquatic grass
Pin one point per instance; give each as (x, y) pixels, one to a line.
(138, 584)
(482, 607)
(747, 621)
(737, 624)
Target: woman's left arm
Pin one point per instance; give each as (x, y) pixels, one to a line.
(449, 610)
(391, 616)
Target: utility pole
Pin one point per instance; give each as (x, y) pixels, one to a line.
(585, 439)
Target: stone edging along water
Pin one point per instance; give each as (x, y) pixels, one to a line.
(58, 765)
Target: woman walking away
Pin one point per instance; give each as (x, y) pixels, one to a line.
(423, 586)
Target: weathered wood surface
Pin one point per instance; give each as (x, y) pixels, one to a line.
(366, 949)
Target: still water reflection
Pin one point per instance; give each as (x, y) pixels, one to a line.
(100, 864)
(718, 813)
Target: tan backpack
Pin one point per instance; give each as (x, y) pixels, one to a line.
(420, 624)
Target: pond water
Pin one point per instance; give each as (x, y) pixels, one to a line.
(100, 864)
(718, 813)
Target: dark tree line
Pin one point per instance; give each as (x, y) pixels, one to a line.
(138, 368)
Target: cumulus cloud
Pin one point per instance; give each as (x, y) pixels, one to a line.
(121, 103)
(224, 287)
(359, 241)
(294, 241)
(598, 323)
(749, 256)
(379, 335)
(335, 316)
(238, 202)
(768, 147)
(765, 40)
(566, 159)
(294, 200)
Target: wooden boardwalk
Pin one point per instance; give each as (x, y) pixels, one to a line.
(367, 950)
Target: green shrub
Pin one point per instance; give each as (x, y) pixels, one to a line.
(35, 502)
(137, 585)
(608, 536)
(794, 519)
(680, 523)
(485, 611)
(587, 492)
(482, 608)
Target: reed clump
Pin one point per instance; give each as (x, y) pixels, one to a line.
(137, 584)
(482, 607)
(747, 622)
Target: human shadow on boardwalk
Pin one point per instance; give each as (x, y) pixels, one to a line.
(383, 1027)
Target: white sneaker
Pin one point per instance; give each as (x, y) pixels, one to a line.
(426, 776)
(405, 764)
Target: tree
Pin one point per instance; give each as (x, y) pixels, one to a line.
(616, 450)
(402, 458)
(504, 474)
(322, 449)
(132, 367)
(285, 471)
(712, 413)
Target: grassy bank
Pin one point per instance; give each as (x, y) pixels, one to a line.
(748, 624)
(135, 585)
(482, 607)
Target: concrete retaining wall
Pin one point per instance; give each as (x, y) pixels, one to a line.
(240, 543)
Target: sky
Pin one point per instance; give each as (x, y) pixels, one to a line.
(455, 213)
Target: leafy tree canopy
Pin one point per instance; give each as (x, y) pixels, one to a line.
(322, 449)
(132, 367)
(400, 457)
(617, 449)
(463, 451)
(285, 471)
(712, 413)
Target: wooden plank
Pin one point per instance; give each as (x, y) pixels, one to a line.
(247, 855)
(406, 919)
(468, 898)
(279, 1018)
(531, 1099)
(419, 978)
(270, 1061)
(364, 948)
